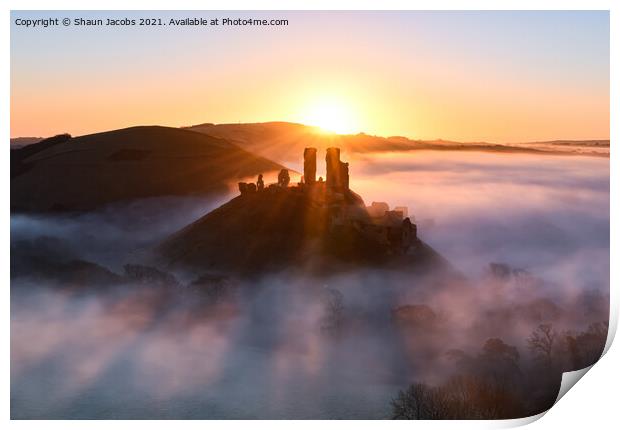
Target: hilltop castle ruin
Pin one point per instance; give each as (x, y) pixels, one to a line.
(345, 209)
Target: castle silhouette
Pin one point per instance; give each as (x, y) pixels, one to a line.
(345, 208)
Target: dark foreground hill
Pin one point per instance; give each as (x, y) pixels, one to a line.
(285, 228)
(87, 172)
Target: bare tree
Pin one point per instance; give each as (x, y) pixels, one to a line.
(586, 347)
(418, 402)
(542, 341)
(461, 397)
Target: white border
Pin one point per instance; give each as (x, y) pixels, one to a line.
(592, 404)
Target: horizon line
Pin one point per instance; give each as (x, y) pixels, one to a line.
(437, 139)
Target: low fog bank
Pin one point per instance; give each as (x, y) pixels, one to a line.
(282, 347)
(110, 237)
(549, 215)
(530, 234)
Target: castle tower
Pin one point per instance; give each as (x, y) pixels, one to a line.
(333, 170)
(344, 175)
(337, 171)
(310, 166)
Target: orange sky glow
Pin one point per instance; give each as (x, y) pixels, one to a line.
(423, 76)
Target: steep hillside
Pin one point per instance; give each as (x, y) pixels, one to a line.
(91, 171)
(284, 229)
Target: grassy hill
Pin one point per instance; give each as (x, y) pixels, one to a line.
(285, 229)
(88, 172)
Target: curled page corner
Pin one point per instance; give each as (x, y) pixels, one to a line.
(520, 422)
(569, 379)
(613, 324)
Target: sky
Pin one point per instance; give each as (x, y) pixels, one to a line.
(509, 76)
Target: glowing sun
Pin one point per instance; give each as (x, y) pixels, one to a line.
(332, 116)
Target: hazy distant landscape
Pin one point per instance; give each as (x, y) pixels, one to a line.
(227, 347)
(203, 171)
(268, 139)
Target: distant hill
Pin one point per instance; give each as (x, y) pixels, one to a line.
(87, 172)
(20, 142)
(283, 141)
(577, 147)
